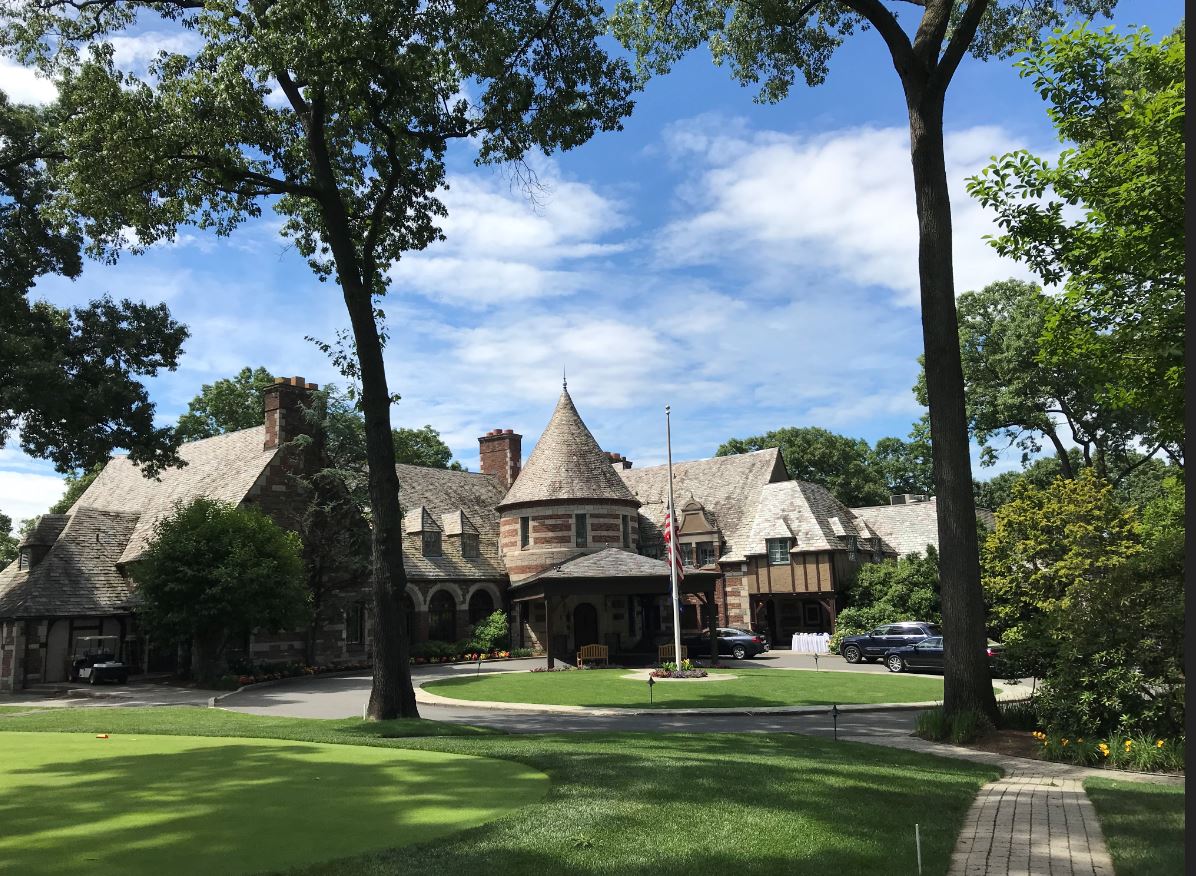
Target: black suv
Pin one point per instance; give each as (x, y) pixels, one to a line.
(874, 645)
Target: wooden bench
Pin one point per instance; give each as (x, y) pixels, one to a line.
(664, 653)
(594, 654)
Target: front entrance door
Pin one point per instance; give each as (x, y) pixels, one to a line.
(585, 625)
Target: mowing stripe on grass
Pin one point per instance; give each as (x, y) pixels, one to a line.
(133, 804)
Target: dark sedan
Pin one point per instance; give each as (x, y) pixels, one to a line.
(928, 655)
(732, 642)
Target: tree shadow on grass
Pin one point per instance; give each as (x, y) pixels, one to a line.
(239, 807)
(682, 804)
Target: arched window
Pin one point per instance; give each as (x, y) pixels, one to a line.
(442, 617)
(481, 606)
(409, 607)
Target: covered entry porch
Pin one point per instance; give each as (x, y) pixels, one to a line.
(613, 598)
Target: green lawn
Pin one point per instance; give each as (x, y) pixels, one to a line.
(657, 804)
(13, 710)
(754, 688)
(133, 804)
(1143, 825)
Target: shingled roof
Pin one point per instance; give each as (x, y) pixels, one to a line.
(910, 527)
(805, 512)
(442, 494)
(79, 574)
(224, 467)
(605, 564)
(729, 488)
(45, 531)
(567, 464)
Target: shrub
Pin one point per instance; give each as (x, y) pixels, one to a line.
(935, 725)
(1125, 752)
(490, 632)
(521, 652)
(1018, 715)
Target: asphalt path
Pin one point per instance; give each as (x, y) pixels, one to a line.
(345, 696)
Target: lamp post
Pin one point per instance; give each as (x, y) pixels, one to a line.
(835, 719)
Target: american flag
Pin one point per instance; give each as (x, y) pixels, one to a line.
(670, 544)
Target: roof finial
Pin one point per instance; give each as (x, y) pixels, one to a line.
(564, 379)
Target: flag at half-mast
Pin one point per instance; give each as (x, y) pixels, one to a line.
(671, 545)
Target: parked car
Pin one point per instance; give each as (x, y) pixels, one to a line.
(94, 660)
(732, 642)
(880, 641)
(763, 634)
(928, 654)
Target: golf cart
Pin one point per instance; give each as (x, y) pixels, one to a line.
(94, 660)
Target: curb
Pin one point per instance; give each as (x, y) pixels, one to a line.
(215, 701)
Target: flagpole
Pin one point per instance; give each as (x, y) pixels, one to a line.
(674, 546)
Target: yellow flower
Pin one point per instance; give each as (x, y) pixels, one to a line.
(1104, 749)
(1128, 744)
(1064, 741)
(1159, 744)
(1081, 739)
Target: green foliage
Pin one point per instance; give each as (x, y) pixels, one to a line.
(843, 465)
(227, 405)
(906, 466)
(423, 447)
(1106, 219)
(959, 729)
(883, 593)
(76, 486)
(490, 632)
(1144, 753)
(8, 544)
(1086, 594)
(214, 573)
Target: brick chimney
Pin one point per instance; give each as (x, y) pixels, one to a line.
(618, 460)
(285, 401)
(502, 455)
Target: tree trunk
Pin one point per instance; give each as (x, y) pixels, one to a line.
(205, 654)
(967, 684)
(392, 695)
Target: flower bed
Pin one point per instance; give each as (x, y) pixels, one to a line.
(1140, 753)
(679, 673)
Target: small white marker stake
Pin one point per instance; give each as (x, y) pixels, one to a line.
(918, 843)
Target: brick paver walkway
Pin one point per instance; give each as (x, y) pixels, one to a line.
(1031, 825)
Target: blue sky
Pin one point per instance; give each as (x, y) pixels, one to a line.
(753, 266)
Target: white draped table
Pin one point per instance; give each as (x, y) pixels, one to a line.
(811, 643)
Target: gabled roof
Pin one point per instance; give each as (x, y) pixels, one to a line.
(419, 519)
(224, 467)
(908, 528)
(456, 523)
(728, 487)
(567, 464)
(608, 563)
(78, 575)
(45, 531)
(443, 493)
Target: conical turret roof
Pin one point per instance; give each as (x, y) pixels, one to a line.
(567, 463)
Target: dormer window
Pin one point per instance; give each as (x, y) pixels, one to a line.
(469, 545)
(687, 555)
(24, 559)
(705, 553)
(431, 544)
(852, 547)
(778, 551)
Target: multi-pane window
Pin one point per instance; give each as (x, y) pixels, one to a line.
(778, 551)
(355, 624)
(852, 547)
(581, 528)
(687, 554)
(525, 532)
(706, 553)
(431, 544)
(469, 545)
(626, 531)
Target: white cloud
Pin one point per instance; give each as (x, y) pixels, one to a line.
(503, 245)
(24, 85)
(840, 202)
(25, 494)
(134, 53)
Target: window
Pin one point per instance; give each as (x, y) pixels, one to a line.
(412, 620)
(655, 551)
(469, 545)
(687, 554)
(852, 547)
(431, 544)
(442, 617)
(23, 559)
(582, 530)
(355, 624)
(778, 551)
(706, 553)
(481, 606)
(525, 532)
(626, 531)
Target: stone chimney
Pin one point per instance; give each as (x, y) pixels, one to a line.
(285, 401)
(618, 460)
(501, 451)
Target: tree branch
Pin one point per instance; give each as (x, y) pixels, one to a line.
(961, 39)
(886, 25)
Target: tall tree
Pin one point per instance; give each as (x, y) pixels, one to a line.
(226, 405)
(772, 42)
(907, 466)
(76, 486)
(8, 544)
(843, 465)
(423, 447)
(69, 377)
(370, 94)
(1106, 219)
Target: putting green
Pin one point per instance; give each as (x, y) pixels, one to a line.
(73, 803)
(752, 688)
